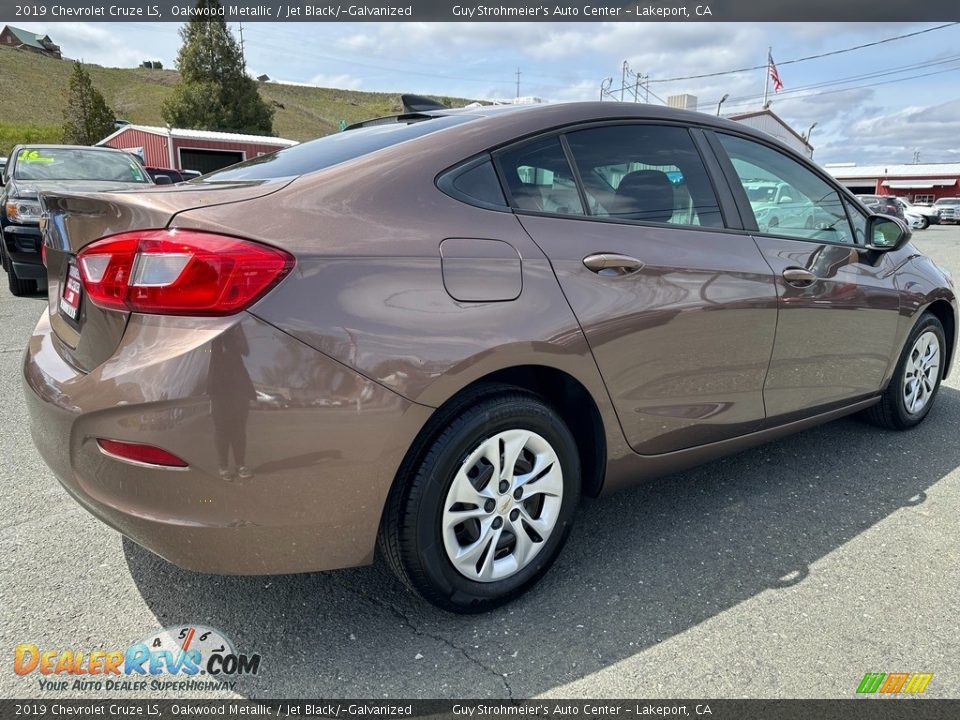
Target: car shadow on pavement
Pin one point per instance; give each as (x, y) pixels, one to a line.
(640, 567)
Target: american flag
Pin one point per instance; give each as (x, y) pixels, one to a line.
(774, 75)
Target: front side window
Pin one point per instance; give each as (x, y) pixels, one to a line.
(858, 220)
(539, 178)
(645, 173)
(787, 198)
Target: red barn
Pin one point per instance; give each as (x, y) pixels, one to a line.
(200, 150)
(918, 182)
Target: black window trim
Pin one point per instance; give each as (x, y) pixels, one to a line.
(446, 183)
(560, 132)
(740, 195)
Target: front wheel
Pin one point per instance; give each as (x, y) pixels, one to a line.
(914, 385)
(487, 510)
(19, 287)
(924, 223)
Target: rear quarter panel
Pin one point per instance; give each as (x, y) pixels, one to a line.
(368, 289)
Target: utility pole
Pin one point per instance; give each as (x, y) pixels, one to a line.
(518, 83)
(623, 79)
(242, 54)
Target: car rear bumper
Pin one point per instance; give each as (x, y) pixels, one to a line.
(322, 443)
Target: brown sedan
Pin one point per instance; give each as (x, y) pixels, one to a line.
(438, 331)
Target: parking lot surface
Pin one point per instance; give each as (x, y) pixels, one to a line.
(789, 570)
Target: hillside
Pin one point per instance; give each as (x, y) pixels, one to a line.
(33, 87)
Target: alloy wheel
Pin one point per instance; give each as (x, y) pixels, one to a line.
(921, 372)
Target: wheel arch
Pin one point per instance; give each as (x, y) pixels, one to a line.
(944, 312)
(567, 395)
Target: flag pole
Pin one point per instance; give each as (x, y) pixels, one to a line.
(766, 76)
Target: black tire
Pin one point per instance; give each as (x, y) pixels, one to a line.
(411, 535)
(19, 287)
(924, 223)
(891, 412)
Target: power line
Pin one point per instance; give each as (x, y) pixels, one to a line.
(853, 78)
(809, 57)
(867, 85)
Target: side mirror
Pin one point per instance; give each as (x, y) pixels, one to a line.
(163, 180)
(885, 233)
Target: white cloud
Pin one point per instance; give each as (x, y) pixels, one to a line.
(343, 80)
(97, 43)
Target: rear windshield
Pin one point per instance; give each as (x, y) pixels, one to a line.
(331, 150)
(77, 164)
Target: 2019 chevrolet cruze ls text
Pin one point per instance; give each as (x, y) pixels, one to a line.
(437, 331)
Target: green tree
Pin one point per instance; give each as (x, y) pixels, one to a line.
(215, 92)
(86, 118)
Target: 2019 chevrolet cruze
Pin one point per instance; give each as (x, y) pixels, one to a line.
(437, 331)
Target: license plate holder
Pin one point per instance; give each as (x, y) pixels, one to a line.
(72, 293)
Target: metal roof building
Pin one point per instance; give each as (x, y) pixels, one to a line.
(920, 182)
(200, 150)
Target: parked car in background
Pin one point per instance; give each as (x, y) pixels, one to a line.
(885, 204)
(915, 221)
(172, 177)
(776, 204)
(948, 209)
(33, 169)
(927, 212)
(437, 332)
(3, 164)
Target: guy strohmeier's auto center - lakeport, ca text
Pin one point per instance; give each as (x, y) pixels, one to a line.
(282, 11)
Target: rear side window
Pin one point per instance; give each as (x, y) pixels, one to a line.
(539, 178)
(474, 182)
(332, 150)
(646, 173)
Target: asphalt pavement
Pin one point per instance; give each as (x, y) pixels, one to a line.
(789, 570)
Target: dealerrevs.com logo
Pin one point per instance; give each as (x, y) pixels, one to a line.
(183, 657)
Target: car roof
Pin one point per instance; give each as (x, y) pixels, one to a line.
(542, 117)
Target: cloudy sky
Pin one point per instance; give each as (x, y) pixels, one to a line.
(880, 104)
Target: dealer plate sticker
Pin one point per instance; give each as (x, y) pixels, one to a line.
(70, 300)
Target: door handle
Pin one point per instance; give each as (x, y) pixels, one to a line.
(799, 277)
(612, 263)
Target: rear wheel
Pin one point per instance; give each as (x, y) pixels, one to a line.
(914, 385)
(486, 511)
(17, 286)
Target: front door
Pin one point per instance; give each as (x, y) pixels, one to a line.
(680, 315)
(839, 307)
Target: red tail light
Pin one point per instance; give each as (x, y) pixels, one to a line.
(179, 272)
(140, 453)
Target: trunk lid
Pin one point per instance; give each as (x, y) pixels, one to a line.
(88, 335)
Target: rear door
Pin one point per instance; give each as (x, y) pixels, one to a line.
(679, 312)
(839, 307)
